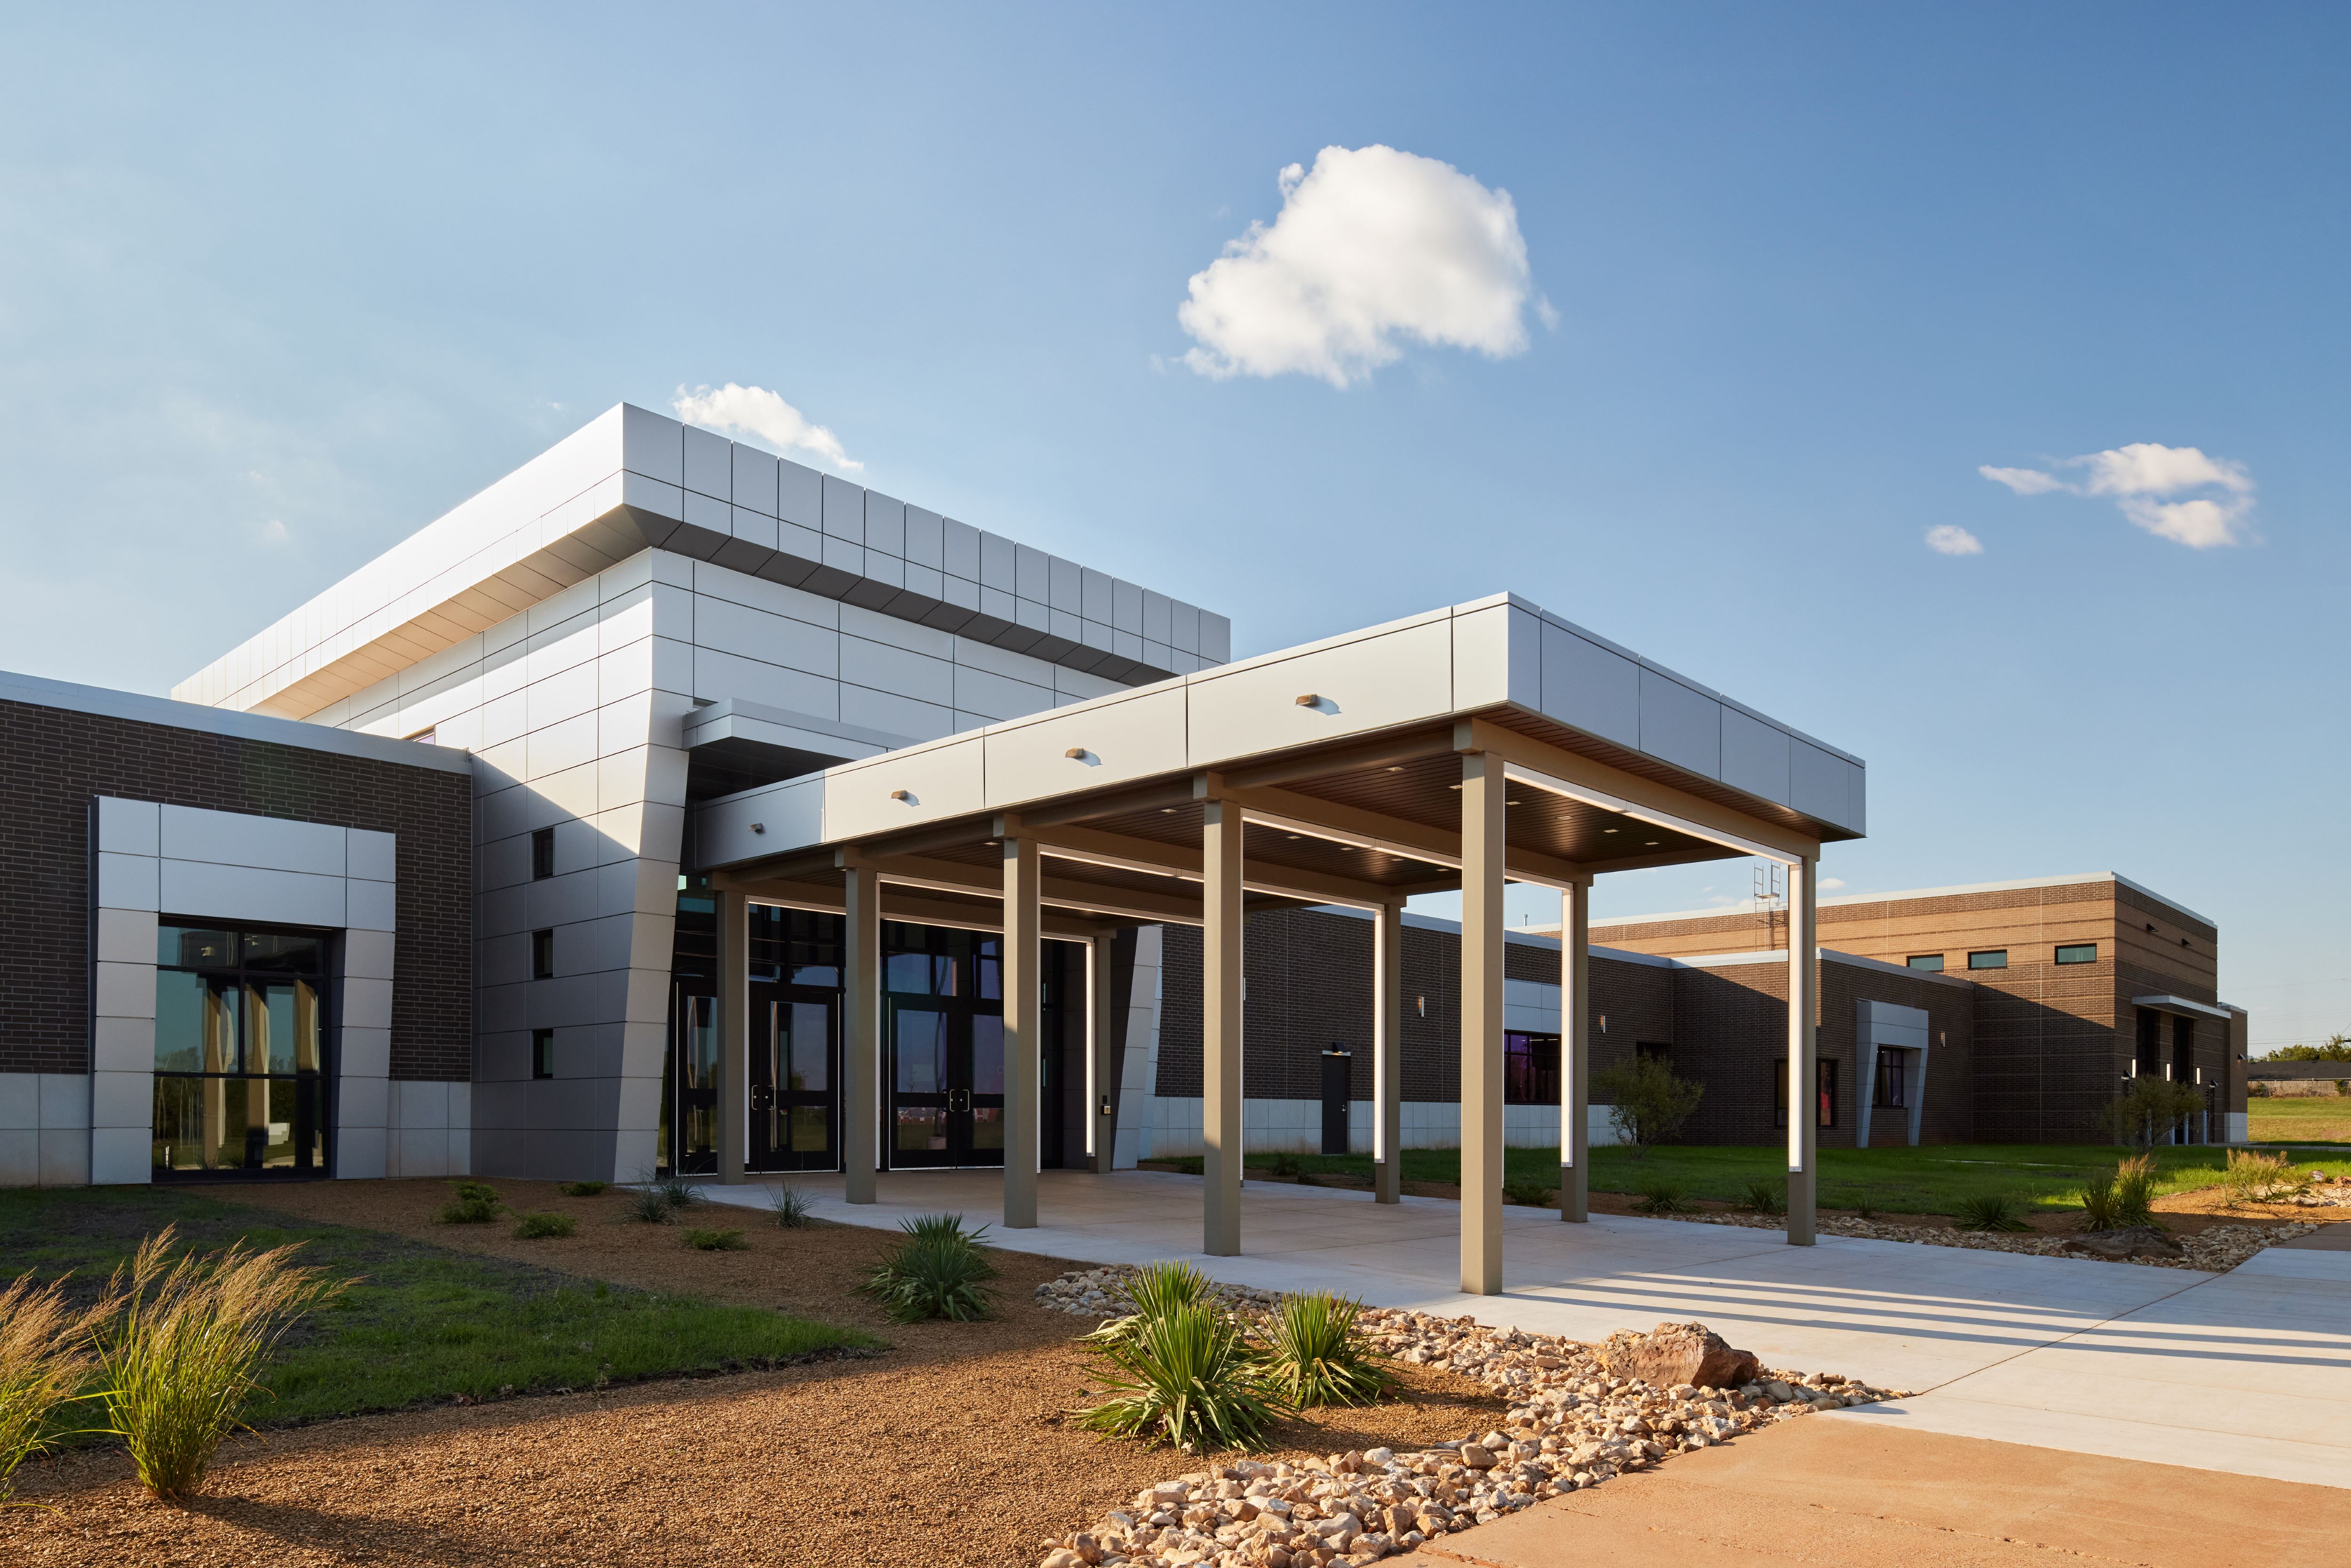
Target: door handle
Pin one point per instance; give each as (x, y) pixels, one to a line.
(762, 1097)
(958, 1099)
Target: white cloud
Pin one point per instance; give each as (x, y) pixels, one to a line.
(1949, 539)
(1372, 247)
(755, 411)
(2140, 476)
(1830, 883)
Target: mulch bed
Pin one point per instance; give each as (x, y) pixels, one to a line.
(951, 1448)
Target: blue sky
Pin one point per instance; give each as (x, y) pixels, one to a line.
(277, 287)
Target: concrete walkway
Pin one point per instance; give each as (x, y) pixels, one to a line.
(2247, 1372)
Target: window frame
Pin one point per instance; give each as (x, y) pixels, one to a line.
(1999, 953)
(1926, 963)
(2062, 948)
(313, 1092)
(542, 854)
(542, 954)
(542, 1053)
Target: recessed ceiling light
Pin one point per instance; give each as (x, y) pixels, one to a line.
(1395, 769)
(1290, 835)
(1453, 786)
(1650, 843)
(1509, 803)
(1166, 811)
(1609, 830)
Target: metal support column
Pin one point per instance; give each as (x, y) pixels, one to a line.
(1482, 880)
(1575, 1053)
(734, 1032)
(1102, 1121)
(861, 1068)
(1387, 1055)
(1024, 1017)
(1803, 1057)
(1220, 1029)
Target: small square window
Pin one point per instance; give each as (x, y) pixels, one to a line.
(542, 954)
(542, 854)
(1998, 960)
(1926, 961)
(2078, 953)
(542, 1053)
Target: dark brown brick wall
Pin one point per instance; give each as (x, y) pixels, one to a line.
(54, 762)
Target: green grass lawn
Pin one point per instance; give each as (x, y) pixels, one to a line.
(422, 1324)
(2299, 1119)
(1929, 1180)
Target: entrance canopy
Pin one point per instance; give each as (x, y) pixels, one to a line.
(1455, 751)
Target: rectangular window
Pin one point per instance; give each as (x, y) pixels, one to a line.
(542, 854)
(1926, 961)
(240, 1056)
(1892, 1081)
(2078, 953)
(1529, 1069)
(1995, 960)
(1827, 1091)
(542, 954)
(542, 1053)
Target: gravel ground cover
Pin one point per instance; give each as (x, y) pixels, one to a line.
(950, 1448)
(1578, 1415)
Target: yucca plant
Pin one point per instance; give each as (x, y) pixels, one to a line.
(678, 1192)
(178, 1351)
(535, 1227)
(1989, 1212)
(2135, 1191)
(1314, 1355)
(1764, 1197)
(939, 1270)
(790, 1205)
(43, 1359)
(1153, 1291)
(2100, 1208)
(650, 1205)
(1660, 1196)
(1188, 1377)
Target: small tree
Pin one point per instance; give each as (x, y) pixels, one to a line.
(1648, 1101)
(2150, 1109)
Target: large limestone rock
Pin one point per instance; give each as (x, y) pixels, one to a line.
(2134, 1242)
(1679, 1353)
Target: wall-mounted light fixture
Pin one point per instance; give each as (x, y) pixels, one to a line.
(1604, 1023)
(1075, 754)
(901, 795)
(759, 827)
(1308, 699)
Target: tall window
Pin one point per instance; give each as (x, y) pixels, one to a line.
(542, 854)
(542, 954)
(240, 1052)
(1529, 1069)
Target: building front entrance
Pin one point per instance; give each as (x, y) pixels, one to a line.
(794, 1079)
(944, 1033)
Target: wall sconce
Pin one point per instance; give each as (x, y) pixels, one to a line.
(1308, 699)
(900, 795)
(1604, 1023)
(759, 827)
(1422, 1002)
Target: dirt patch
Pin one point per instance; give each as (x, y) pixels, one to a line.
(950, 1448)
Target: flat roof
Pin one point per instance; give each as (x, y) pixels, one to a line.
(633, 480)
(1855, 898)
(37, 692)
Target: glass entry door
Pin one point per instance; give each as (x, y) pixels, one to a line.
(794, 1080)
(946, 1083)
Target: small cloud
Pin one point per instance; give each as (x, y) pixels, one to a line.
(1949, 539)
(1830, 883)
(271, 532)
(1372, 247)
(755, 411)
(2142, 477)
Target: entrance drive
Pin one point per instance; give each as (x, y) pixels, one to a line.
(794, 1079)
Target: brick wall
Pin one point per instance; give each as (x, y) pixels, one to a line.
(54, 762)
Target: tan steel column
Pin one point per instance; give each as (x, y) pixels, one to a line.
(1803, 1062)
(734, 1032)
(860, 1069)
(1576, 1054)
(1482, 808)
(1387, 1055)
(1101, 1126)
(1024, 1017)
(1220, 1029)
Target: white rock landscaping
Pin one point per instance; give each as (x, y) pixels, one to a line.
(1571, 1424)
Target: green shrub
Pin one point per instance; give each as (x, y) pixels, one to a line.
(1530, 1195)
(474, 1204)
(1649, 1101)
(2260, 1178)
(1764, 1197)
(2100, 1209)
(2150, 1109)
(1989, 1212)
(1315, 1355)
(181, 1345)
(2135, 1192)
(1187, 1377)
(1662, 1196)
(650, 1205)
(42, 1362)
(1285, 1164)
(1865, 1209)
(790, 1205)
(581, 1189)
(533, 1227)
(937, 1271)
(716, 1241)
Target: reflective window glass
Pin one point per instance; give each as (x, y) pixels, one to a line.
(807, 1047)
(921, 1052)
(281, 1026)
(1992, 960)
(986, 1054)
(194, 947)
(2078, 953)
(195, 1022)
(295, 955)
(1926, 961)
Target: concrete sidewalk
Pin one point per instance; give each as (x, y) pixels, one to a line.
(2247, 1372)
(1835, 1492)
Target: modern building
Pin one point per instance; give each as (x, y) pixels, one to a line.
(669, 805)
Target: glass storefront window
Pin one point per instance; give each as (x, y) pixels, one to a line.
(240, 1052)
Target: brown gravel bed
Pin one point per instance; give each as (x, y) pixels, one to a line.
(949, 1448)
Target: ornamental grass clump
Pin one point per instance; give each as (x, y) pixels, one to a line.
(2252, 1177)
(474, 1204)
(1187, 1377)
(1660, 1196)
(1764, 1197)
(650, 1205)
(1989, 1212)
(1315, 1355)
(181, 1343)
(790, 1205)
(43, 1359)
(538, 1226)
(2135, 1192)
(938, 1270)
(1529, 1194)
(2100, 1208)
(678, 1192)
